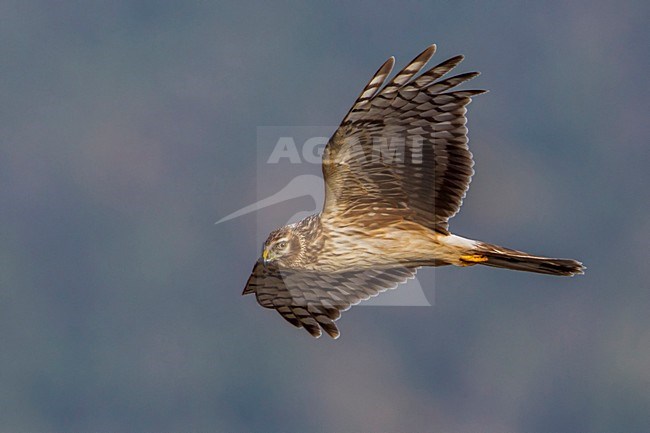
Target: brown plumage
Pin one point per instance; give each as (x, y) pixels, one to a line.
(395, 171)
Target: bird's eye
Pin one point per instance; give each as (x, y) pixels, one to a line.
(282, 245)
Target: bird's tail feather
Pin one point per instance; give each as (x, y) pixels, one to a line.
(500, 257)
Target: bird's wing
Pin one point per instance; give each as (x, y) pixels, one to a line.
(402, 148)
(314, 300)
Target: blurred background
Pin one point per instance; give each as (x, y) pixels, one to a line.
(127, 128)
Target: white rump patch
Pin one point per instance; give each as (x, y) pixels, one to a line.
(459, 241)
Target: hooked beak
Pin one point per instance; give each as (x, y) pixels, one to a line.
(266, 256)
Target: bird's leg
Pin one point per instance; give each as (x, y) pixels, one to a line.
(472, 259)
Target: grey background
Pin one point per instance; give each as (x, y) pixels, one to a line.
(128, 128)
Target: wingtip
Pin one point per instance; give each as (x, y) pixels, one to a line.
(467, 76)
(430, 50)
(334, 333)
(387, 67)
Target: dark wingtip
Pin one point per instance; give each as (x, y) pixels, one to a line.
(332, 330)
(249, 287)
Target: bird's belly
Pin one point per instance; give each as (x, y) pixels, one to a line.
(407, 244)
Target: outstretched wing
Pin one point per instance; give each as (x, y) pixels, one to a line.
(314, 300)
(402, 149)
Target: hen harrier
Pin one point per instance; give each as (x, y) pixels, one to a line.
(395, 171)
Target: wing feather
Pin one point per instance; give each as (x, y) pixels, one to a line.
(402, 149)
(315, 300)
(373, 86)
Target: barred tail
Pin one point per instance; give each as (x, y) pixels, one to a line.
(500, 257)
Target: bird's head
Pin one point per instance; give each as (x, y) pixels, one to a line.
(282, 247)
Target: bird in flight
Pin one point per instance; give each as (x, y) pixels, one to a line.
(395, 171)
